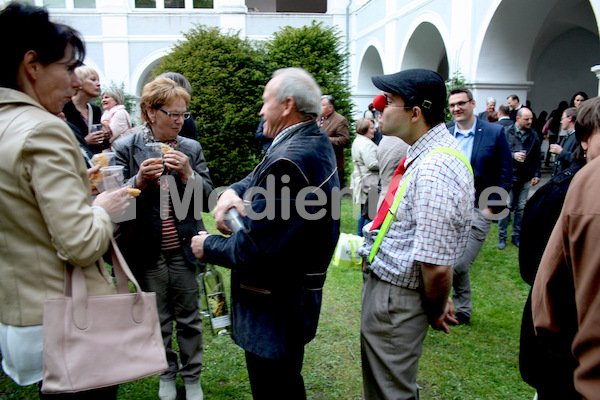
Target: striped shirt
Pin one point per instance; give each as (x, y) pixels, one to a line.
(433, 221)
(170, 238)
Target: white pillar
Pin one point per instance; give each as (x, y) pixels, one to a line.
(232, 15)
(596, 70)
(115, 46)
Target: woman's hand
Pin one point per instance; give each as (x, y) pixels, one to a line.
(114, 202)
(93, 175)
(177, 161)
(95, 137)
(150, 170)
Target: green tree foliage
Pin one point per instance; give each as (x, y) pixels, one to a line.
(457, 81)
(228, 75)
(320, 51)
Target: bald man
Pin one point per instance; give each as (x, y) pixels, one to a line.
(524, 145)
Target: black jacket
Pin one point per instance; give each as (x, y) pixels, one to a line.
(530, 168)
(563, 160)
(74, 117)
(279, 264)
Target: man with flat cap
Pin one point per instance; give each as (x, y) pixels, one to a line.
(419, 234)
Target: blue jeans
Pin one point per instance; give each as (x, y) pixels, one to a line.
(362, 221)
(517, 207)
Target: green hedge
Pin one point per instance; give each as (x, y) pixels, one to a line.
(228, 75)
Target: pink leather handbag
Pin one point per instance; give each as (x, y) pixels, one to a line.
(97, 341)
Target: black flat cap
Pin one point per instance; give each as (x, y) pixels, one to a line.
(420, 87)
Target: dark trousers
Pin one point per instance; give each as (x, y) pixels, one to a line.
(278, 378)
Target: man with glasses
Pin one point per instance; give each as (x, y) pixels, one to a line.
(486, 148)
(420, 232)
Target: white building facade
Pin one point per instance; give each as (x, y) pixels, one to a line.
(542, 50)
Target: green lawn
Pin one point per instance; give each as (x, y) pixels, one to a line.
(477, 361)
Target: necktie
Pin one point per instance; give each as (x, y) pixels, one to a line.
(389, 196)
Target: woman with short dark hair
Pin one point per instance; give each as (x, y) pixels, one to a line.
(46, 220)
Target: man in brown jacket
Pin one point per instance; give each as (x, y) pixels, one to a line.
(566, 295)
(336, 127)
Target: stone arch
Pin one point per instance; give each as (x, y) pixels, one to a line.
(370, 65)
(543, 54)
(426, 47)
(143, 72)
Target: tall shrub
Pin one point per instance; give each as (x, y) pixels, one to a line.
(320, 51)
(228, 75)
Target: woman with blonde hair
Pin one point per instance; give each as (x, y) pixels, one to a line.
(365, 176)
(81, 113)
(156, 244)
(115, 114)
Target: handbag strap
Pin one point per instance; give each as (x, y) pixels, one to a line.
(90, 116)
(76, 288)
(385, 226)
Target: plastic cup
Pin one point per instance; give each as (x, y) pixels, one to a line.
(154, 150)
(95, 128)
(110, 155)
(112, 177)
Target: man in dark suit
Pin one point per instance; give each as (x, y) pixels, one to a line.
(485, 145)
(515, 105)
(336, 127)
(504, 116)
(275, 292)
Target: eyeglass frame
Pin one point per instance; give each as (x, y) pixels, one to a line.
(459, 104)
(175, 116)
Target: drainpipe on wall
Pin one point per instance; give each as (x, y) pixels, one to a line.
(348, 34)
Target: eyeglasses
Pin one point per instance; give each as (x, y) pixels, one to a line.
(175, 116)
(460, 104)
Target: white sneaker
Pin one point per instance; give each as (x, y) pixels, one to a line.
(167, 390)
(193, 391)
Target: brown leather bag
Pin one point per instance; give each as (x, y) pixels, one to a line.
(98, 341)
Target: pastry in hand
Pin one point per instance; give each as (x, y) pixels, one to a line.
(165, 148)
(133, 192)
(100, 159)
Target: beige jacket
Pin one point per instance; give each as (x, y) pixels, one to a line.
(364, 158)
(45, 214)
(566, 293)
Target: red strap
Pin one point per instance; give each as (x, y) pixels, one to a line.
(389, 196)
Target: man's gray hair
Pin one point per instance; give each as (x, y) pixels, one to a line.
(302, 87)
(490, 100)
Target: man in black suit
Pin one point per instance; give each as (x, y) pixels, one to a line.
(515, 105)
(504, 116)
(485, 145)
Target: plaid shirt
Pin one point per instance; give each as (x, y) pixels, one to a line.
(433, 221)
